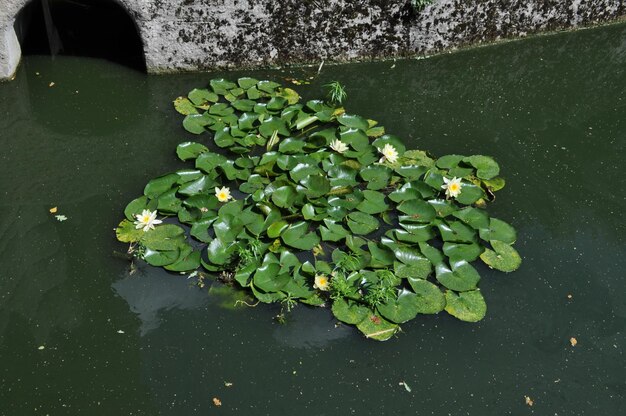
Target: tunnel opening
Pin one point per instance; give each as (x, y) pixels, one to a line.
(92, 28)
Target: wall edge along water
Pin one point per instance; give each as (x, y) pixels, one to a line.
(218, 34)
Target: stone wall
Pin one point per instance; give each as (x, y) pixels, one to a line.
(186, 35)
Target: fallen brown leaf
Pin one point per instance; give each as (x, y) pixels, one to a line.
(216, 401)
(573, 341)
(53, 210)
(528, 401)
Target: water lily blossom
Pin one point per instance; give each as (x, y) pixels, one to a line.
(452, 186)
(223, 194)
(338, 146)
(390, 154)
(321, 282)
(146, 220)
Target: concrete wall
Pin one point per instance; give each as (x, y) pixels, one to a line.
(184, 35)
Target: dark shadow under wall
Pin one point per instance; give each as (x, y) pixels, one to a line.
(93, 28)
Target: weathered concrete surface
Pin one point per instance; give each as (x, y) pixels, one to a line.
(448, 24)
(248, 33)
(9, 52)
(184, 35)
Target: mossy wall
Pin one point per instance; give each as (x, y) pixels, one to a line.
(185, 35)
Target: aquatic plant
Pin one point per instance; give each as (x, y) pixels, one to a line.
(304, 202)
(420, 4)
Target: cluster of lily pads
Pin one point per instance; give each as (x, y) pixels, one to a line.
(303, 202)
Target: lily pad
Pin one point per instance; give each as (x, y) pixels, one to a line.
(498, 230)
(460, 276)
(430, 299)
(503, 257)
(349, 312)
(466, 306)
(377, 328)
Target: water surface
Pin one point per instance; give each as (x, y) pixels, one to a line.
(80, 336)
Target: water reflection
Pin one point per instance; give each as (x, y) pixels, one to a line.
(150, 294)
(310, 328)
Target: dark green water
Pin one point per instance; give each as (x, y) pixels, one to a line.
(552, 110)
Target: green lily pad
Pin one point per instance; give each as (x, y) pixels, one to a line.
(415, 270)
(486, 167)
(456, 231)
(362, 223)
(466, 306)
(373, 203)
(470, 193)
(498, 230)
(430, 299)
(297, 236)
(460, 276)
(503, 257)
(353, 121)
(160, 258)
(474, 217)
(267, 278)
(135, 207)
(402, 309)
(418, 210)
(202, 97)
(184, 106)
(462, 251)
(349, 312)
(377, 328)
(127, 233)
(164, 237)
(332, 231)
(187, 261)
(159, 185)
(196, 123)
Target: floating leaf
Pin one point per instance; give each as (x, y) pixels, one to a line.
(184, 106)
(503, 257)
(461, 276)
(297, 236)
(127, 233)
(376, 327)
(201, 97)
(429, 298)
(196, 123)
(498, 230)
(486, 167)
(466, 306)
(362, 223)
(402, 309)
(159, 185)
(349, 312)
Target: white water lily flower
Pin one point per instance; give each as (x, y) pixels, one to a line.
(146, 220)
(389, 152)
(452, 186)
(223, 194)
(321, 282)
(338, 146)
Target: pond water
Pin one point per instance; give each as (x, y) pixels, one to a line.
(80, 336)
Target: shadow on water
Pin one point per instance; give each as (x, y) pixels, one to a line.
(549, 109)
